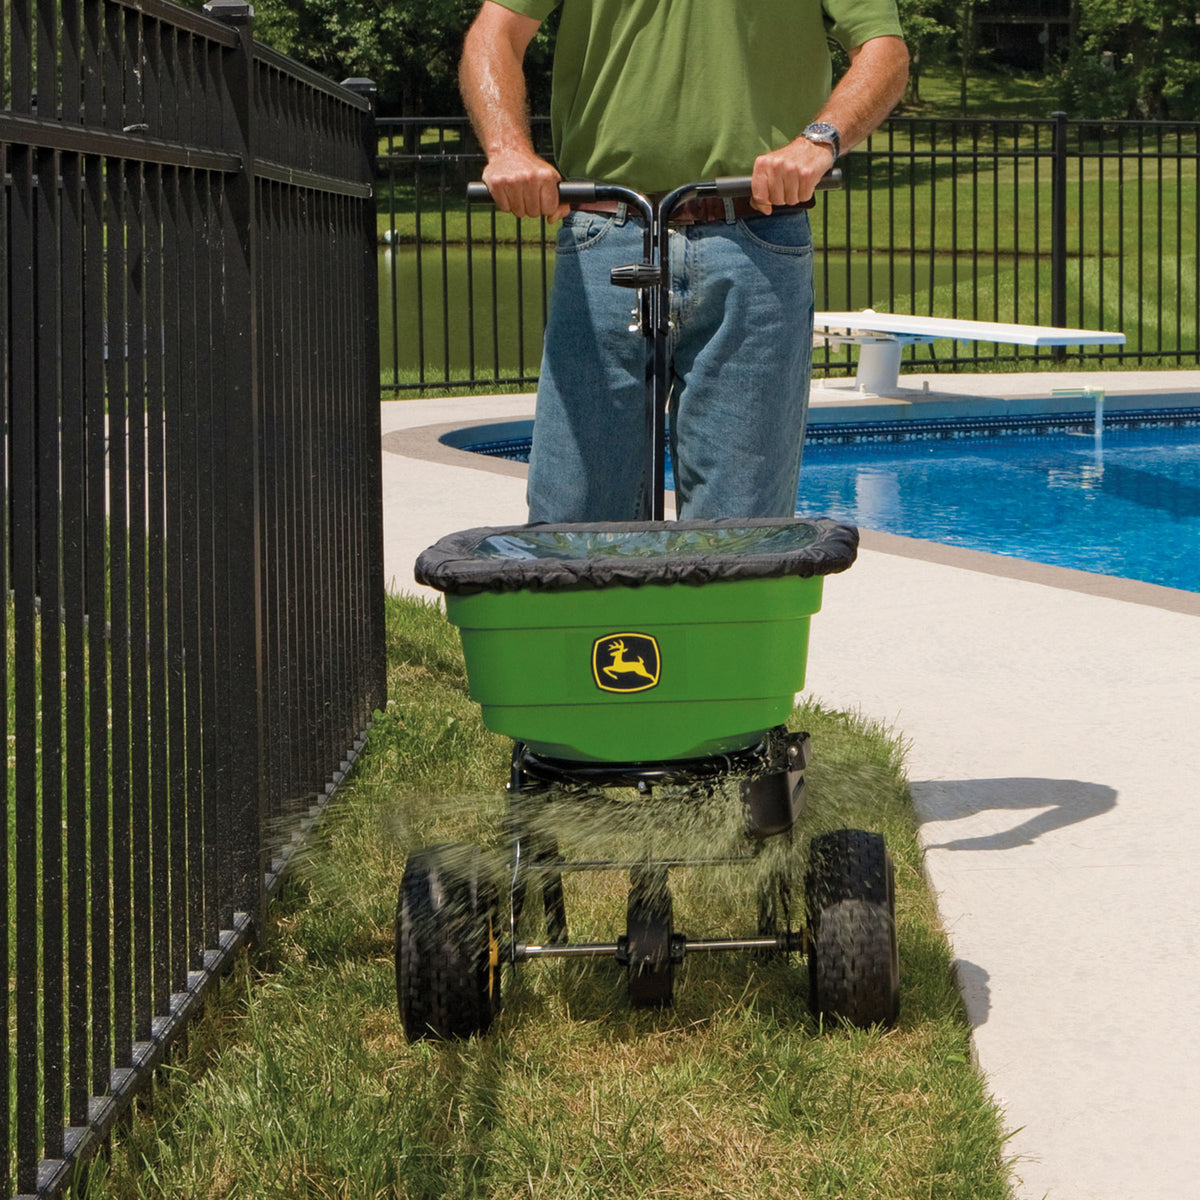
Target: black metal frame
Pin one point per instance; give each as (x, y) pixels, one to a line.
(771, 775)
(191, 587)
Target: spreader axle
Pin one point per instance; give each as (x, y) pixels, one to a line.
(792, 942)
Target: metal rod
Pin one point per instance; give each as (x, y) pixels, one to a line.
(74, 559)
(670, 863)
(48, 301)
(526, 952)
(6, 913)
(1058, 226)
(522, 952)
(703, 945)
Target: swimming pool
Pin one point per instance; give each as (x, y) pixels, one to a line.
(1130, 507)
(1036, 488)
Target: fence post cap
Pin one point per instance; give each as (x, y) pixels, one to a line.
(232, 12)
(366, 86)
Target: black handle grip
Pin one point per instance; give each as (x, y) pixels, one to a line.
(577, 192)
(569, 192)
(728, 187)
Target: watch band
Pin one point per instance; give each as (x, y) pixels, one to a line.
(826, 135)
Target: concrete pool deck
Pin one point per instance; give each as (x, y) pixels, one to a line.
(1051, 717)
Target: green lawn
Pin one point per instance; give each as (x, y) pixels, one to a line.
(990, 93)
(299, 1082)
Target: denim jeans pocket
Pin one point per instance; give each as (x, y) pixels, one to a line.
(582, 230)
(787, 233)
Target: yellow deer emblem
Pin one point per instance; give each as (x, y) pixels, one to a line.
(620, 665)
(627, 662)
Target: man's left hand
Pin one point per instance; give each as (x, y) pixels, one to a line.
(864, 96)
(789, 175)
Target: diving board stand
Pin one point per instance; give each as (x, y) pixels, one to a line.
(881, 337)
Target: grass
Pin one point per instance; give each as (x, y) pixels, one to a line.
(406, 384)
(298, 1082)
(1007, 93)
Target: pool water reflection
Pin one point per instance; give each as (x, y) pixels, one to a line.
(1129, 506)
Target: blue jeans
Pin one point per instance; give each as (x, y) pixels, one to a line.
(741, 355)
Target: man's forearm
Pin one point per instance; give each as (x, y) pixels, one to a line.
(868, 91)
(862, 99)
(492, 80)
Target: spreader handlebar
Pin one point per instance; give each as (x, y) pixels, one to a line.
(583, 192)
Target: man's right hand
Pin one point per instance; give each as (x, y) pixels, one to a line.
(524, 185)
(493, 88)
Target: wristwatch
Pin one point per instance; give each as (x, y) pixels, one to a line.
(826, 135)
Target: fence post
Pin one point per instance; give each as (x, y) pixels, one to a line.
(242, 793)
(1058, 228)
(377, 669)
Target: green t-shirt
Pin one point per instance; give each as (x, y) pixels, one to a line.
(654, 93)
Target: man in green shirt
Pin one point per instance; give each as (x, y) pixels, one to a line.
(651, 94)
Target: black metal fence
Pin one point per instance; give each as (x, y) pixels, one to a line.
(1081, 224)
(191, 593)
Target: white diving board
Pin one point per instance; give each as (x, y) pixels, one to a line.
(882, 336)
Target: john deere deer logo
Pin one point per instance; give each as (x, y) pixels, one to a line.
(626, 662)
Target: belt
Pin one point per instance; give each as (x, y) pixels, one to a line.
(700, 211)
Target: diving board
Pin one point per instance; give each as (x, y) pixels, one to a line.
(882, 336)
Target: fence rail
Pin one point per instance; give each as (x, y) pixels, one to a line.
(1052, 221)
(191, 591)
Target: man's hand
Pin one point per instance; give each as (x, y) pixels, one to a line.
(493, 89)
(524, 184)
(789, 175)
(864, 96)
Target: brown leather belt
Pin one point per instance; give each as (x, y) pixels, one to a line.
(700, 211)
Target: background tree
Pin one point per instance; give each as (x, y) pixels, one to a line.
(1126, 58)
(929, 39)
(968, 31)
(1136, 59)
(410, 48)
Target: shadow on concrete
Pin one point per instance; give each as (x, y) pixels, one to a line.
(1060, 802)
(977, 996)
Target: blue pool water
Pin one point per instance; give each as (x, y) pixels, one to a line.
(1130, 508)
(1038, 489)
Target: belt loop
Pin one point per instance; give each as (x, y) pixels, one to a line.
(730, 214)
(622, 213)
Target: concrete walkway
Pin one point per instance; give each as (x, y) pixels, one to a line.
(1054, 722)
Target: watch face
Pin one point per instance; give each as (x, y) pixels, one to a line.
(823, 132)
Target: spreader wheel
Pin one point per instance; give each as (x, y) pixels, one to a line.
(853, 966)
(447, 945)
(647, 945)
